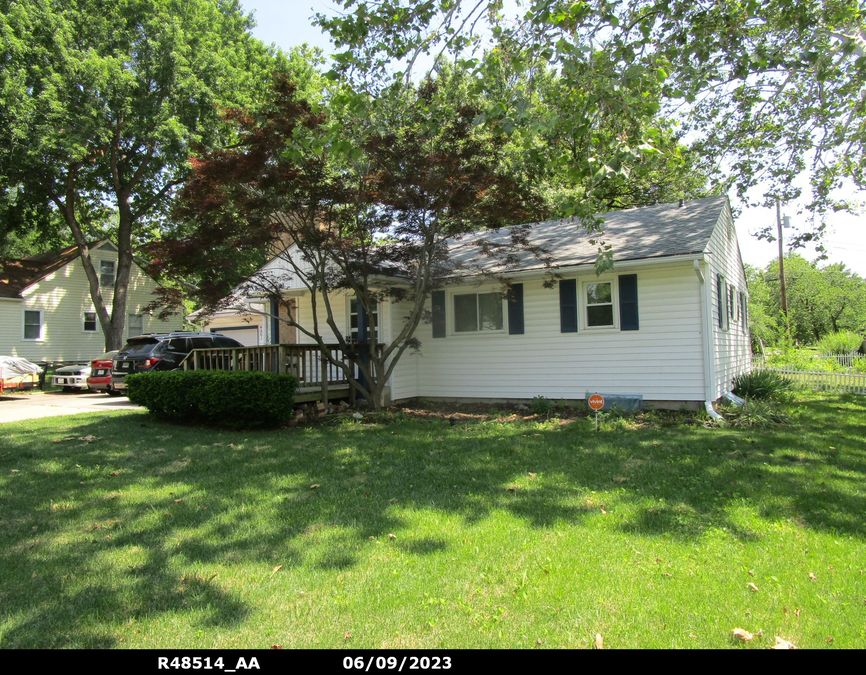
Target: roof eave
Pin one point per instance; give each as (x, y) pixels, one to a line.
(582, 267)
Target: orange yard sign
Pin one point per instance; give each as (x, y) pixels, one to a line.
(596, 402)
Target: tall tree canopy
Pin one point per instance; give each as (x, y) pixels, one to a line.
(821, 300)
(100, 105)
(772, 90)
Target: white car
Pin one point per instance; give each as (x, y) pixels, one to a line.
(71, 377)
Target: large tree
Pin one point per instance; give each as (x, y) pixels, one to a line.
(100, 105)
(773, 91)
(820, 300)
(363, 201)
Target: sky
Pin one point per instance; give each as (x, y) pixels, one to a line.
(288, 23)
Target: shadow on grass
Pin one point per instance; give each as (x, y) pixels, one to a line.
(115, 529)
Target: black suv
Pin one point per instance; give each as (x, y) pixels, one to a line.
(145, 353)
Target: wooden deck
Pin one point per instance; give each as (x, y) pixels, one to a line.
(318, 377)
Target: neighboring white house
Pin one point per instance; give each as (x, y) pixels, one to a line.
(668, 323)
(47, 314)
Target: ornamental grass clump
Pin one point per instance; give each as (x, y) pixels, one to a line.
(762, 385)
(758, 414)
(231, 399)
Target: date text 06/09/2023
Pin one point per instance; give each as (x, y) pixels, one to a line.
(385, 663)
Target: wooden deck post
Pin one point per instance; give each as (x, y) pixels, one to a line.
(325, 380)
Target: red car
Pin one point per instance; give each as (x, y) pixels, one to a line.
(100, 374)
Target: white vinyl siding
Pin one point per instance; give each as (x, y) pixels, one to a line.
(730, 345)
(661, 361)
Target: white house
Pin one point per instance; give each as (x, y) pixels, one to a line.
(47, 314)
(668, 323)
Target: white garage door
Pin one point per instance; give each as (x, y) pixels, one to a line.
(249, 337)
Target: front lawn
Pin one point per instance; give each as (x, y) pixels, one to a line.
(121, 531)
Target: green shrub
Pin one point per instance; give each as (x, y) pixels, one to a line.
(859, 365)
(541, 405)
(234, 399)
(841, 342)
(761, 384)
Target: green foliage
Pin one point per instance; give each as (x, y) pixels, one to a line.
(797, 359)
(839, 343)
(765, 88)
(761, 384)
(758, 414)
(541, 405)
(232, 399)
(821, 300)
(859, 365)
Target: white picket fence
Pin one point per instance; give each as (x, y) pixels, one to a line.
(847, 383)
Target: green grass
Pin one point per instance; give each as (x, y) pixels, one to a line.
(505, 534)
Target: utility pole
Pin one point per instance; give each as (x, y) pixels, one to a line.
(781, 260)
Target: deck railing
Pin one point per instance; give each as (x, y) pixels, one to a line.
(309, 363)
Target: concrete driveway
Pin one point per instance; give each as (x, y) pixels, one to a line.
(16, 407)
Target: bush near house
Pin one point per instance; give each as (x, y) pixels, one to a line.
(762, 385)
(232, 399)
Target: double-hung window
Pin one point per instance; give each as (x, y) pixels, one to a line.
(475, 312)
(106, 273)
(90, 325)
(134, 325)
(32, 324)
(599, 304)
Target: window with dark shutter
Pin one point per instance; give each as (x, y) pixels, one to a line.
(515, 310)
(438, 311)
(628, 312)
(568, 306)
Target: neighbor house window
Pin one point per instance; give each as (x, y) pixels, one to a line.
(32, 324)
(475, 312)
(90, 325)
(106, 273)
(134, 325)
(599, 304)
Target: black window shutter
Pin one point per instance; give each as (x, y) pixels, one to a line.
(515, 310)
(568, 306)
(438, 298)
(721, 299)
(628, 314)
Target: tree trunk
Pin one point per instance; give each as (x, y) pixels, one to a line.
(114, 336)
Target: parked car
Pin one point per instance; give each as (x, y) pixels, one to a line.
(100, 374)
(71, 377)
(146, 353)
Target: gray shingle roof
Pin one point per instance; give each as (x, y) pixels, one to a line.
(635, 234)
